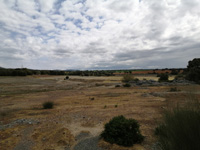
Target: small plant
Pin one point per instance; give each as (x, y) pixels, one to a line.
(127, 85)
(117, 85)
(127, 78)
(105, 107)
(163, 77)
(179, 77)
(173, 89)
(116, 106)
(48, 105)
(136, 79)
(122, 131)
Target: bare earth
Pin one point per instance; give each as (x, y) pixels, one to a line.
(82, 106)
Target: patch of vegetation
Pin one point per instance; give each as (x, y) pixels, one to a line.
(163, 77)
(25, 72)
(116, 106)
(180, 77)
(180, 128)
(127, 77)
(105, 107)
(122, 131)
(136, 79)
(117, 85)
(173, 89)
(127, 85)
(48, 105)
(193, 70)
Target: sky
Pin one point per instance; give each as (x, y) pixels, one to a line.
(99, 34)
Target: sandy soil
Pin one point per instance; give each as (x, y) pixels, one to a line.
(82, 106)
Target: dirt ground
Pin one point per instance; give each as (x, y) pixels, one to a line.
(82, 106)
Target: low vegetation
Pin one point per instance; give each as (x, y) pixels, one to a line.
(126, 85)
(127, 77)
(173, 89)
(180, 128)
(193, 70)
(163, 77)
(48, 105)
(122, 131)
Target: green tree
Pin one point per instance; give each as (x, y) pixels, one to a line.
(193, 70)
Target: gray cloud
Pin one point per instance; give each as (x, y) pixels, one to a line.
(100, 34)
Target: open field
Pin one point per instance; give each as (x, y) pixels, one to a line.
(82, 106)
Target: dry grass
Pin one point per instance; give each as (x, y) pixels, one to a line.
(74, 110)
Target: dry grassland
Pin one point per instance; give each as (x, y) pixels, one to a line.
(82, 106)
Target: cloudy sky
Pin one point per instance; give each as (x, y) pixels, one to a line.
(99, 34)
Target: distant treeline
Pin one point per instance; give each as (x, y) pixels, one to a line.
(25, 72)
(92, 73)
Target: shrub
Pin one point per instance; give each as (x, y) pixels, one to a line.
(163, 77)
(127, 78)
(127, 85)
(173, 89)
(136, 79)
(180, 130)
(122, 131)
(193, 70)
(117, 85)
(180, 77)
(48, 105)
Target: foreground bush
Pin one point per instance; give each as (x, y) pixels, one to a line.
(122, 131)
(48, 105)
(180, 130)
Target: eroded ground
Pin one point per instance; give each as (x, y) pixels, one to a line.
(82, 106)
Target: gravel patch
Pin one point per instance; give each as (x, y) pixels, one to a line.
(19, 122)
(88, 144)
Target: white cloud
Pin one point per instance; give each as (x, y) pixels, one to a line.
(98, 34)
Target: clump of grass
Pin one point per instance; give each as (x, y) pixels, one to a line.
(127, 78)
(116, 106)
(173, 89)
(180, 128)
(127, 85)
(105, 107)
(117, 85)
(48, 105)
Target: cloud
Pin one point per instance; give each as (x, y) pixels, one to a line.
(98, 34)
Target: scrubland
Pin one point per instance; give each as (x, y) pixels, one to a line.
(82, 105)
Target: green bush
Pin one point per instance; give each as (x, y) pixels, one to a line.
(127, 85)
(193, 70)
(127, 78)
(163, 77)
(122, 131)
(180, 77)
(48, 105)
(117, 85)
(173, 89)
(180, 130)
